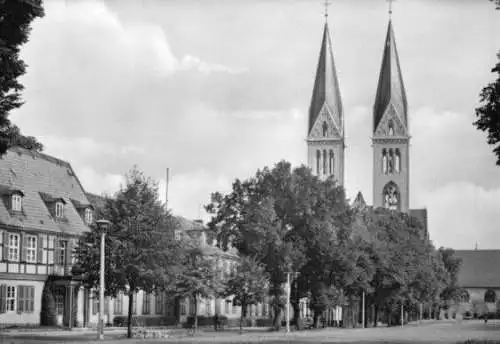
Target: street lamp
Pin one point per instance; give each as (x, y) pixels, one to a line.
(102, 226)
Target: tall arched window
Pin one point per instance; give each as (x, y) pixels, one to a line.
(397, 161)
(324, 161)
(325, 129)
(390, 194)
(390, 127)
(318, 161)
(384, 161)
(332, 161)
(390, 164)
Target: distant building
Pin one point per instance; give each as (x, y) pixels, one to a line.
(480, 279)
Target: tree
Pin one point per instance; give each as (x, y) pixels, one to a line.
(489, 112)
(248, 285)
(198, 278)
(275, 217)
(140, 252)
(15, 19)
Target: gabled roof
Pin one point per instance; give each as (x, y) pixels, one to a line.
(41, 178)
(326, 90)
(479, 268)
(390, 90)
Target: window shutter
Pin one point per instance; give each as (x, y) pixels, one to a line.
(20, 299)
(40, 251)
(32, 299)
(3, 298)
(5, 245)
(23, 245)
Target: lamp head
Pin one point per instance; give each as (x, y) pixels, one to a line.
(103, 225)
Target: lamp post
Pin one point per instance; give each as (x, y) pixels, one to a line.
(103, 226)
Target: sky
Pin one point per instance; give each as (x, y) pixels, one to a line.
(216, 89)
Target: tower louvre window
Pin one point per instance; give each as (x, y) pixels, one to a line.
(324, 161)
(318, 158)
(390, 169)
(331, 162)
(384, 161)
(397, 161)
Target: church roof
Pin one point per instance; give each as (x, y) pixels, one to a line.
(390, 90)
(326, 86)
(479, 268)
(43, 180)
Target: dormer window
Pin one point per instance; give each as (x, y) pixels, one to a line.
(59, 209)
(88, 216)
(17, 202)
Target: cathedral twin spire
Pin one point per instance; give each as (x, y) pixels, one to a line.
(326, 134)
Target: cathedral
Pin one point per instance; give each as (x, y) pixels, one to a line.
(390, 130)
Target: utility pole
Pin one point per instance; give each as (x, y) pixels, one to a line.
(288, 290)
(363, 310)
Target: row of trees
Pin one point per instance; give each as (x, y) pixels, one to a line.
(292, 221)
(281, 220)
(141, 253)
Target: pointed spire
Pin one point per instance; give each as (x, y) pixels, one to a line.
(326, 87)
(359, 202)
(390, 90)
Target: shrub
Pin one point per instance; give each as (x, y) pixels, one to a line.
(141, 320)
(264, 322)
(205, 321)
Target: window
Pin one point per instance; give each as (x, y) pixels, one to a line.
(118, 304)
(31, 249)
(134, 303)
(391, 196)
(234, 309)
(325, 129)
(17, 202)
(264, 309)
(59, 301)
(63, 247)
(191, 306)
(397, 161)
(11, 298)
(14, 247)
(208, 307)
(95, 304)
(390, 126)
(59, 209)
(183, 307)
(390, 168)
(88, 216)
(177, 235)
(146, 303)
(384, 161)
(226, 306)
(25, 299)
(159, 303)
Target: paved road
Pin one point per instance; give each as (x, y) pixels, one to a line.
(441, 332)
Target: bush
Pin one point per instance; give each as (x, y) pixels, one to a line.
(264, 322)
(142, 320)
(205, 321)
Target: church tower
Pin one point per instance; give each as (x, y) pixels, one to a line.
(391, 139)
(325, 132)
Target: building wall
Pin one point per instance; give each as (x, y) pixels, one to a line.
(25, 318)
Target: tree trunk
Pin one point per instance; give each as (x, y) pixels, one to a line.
(129, 322)
(195, 300)
(296, 316)
(316, 318)
(375, 318)
(277, 318)
(242, 316)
